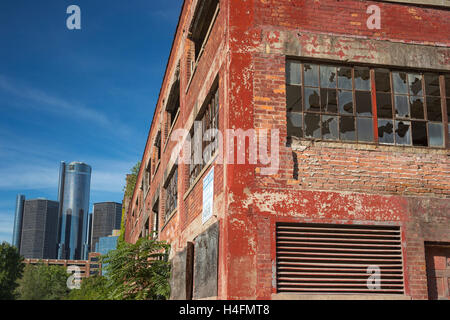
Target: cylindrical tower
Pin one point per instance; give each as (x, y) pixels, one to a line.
(18, 218)
(73, 243)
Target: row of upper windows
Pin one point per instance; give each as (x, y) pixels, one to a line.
(367, 104)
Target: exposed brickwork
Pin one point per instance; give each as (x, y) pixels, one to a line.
(318, 182)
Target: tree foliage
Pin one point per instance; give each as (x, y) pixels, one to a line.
(131, 180)
(11, 269)
(92, 288)
(138, 271)
(42, 282)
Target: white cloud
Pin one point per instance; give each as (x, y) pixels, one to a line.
(43, 101)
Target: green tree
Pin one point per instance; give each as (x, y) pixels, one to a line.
(131, 180)
(92, 288)
(138, 271)
(42, 282)
(11, 268)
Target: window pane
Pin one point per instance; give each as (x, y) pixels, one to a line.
(417, 108)
(345, 78)
(345, 102)
(294, 124)
(432, 84)
(419, 133)
(362, 78)
(293, 72)
(311, 74)
(328, 100)
(312, 125)
(347, 128)
(385, 131)
(363, 103)
(401, 107)
(328, 76)
(436, 132)
(382, 80)
(312, 101)
(403, 132)
(330, 127)
(400, 82)
(415, 84)
(365, 129)
(384, 105)
(434, 111)
(294, 98)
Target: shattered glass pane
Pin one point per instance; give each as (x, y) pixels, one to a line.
(345, 102)
(312, 99)
(294, 98)
(419, 133)
(434, 110)
(311, 74)
(312, 125)
(294, 124)
(328, 100)
(432, 84)
(417, 108)
(400, 82)
(345, 78)
(436, 133)
(330, 127)
(363, 103)
(382, 80)
(447, 86)
(401, 106)
(385, 131)
(293, 72)
(415, 84)
(362, 78)
(384, 105)
(403, 132)
(327, 76)
(347, 128)
(365, 129)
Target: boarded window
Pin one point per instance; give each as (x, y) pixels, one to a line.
(325, 258)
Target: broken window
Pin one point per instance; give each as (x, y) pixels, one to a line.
(171, 193)
(204, 147)
(335, 103)
(158, 147)
(155, 225)
(147, 173)
(173, 102)
(201, 25)
(323, 102)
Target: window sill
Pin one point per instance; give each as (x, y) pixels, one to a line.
(171, 215)
(207, 166)
(343, 296)
(298, 144)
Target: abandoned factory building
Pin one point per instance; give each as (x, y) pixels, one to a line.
(352, 98)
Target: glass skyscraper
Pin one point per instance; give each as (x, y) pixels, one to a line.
(73, 196)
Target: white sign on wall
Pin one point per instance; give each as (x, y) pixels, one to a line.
(208, 195)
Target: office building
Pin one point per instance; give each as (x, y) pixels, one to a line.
(73, 194)
(39, 229)
(106, 217)
(18, 218)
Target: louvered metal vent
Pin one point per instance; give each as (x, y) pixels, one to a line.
(325, 258)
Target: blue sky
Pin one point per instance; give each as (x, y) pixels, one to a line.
(77, 95)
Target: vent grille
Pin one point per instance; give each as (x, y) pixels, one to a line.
(324, 258)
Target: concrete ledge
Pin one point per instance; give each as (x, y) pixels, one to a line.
(295, 296)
